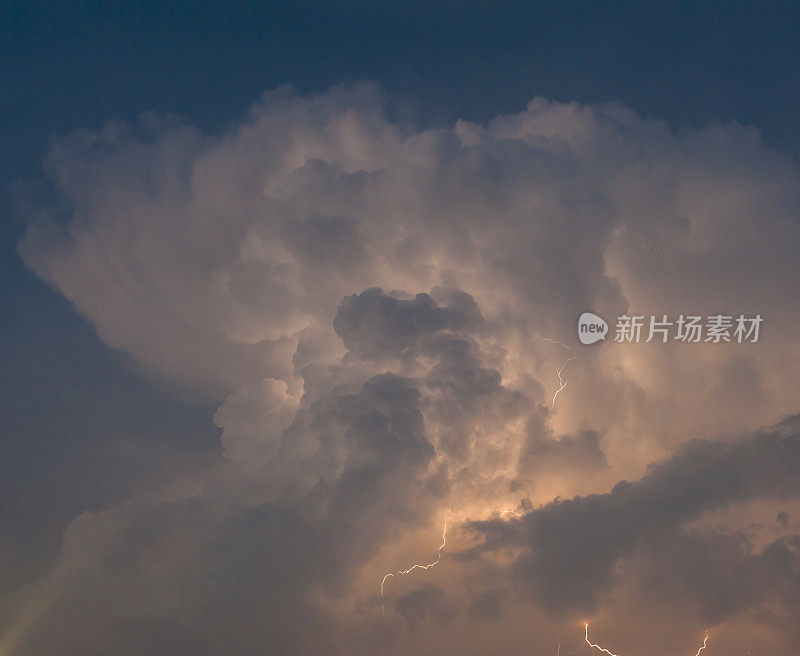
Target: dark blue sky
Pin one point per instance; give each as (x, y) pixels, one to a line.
(66, 399)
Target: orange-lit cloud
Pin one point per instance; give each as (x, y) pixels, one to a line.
(384, 317)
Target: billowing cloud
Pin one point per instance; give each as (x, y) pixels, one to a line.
(568, 547)
(380, 313)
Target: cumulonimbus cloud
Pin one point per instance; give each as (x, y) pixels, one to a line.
(372, 305)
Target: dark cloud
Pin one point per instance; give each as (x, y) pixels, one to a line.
(373, 323)
(429, 603)
(489, 604)
(581, 451)
(568, 548)
(459, 369)
(187, 577)
(721, 575)
(221, 567)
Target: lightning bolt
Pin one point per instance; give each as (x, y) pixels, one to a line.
(403, 572)
(561, 385)
(591, 644)
(561, 382)
(705, 644)
(610, 653)
(432, 564)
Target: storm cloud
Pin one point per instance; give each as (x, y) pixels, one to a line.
(568, 547)
(382, 315)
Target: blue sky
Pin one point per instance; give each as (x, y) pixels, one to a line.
(67, 399)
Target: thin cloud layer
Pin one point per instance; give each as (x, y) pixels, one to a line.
(380, 312)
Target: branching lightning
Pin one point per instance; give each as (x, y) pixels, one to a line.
(426, 566)
(561, 385)
(416, 566)
(561, 382)
(610, 653)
